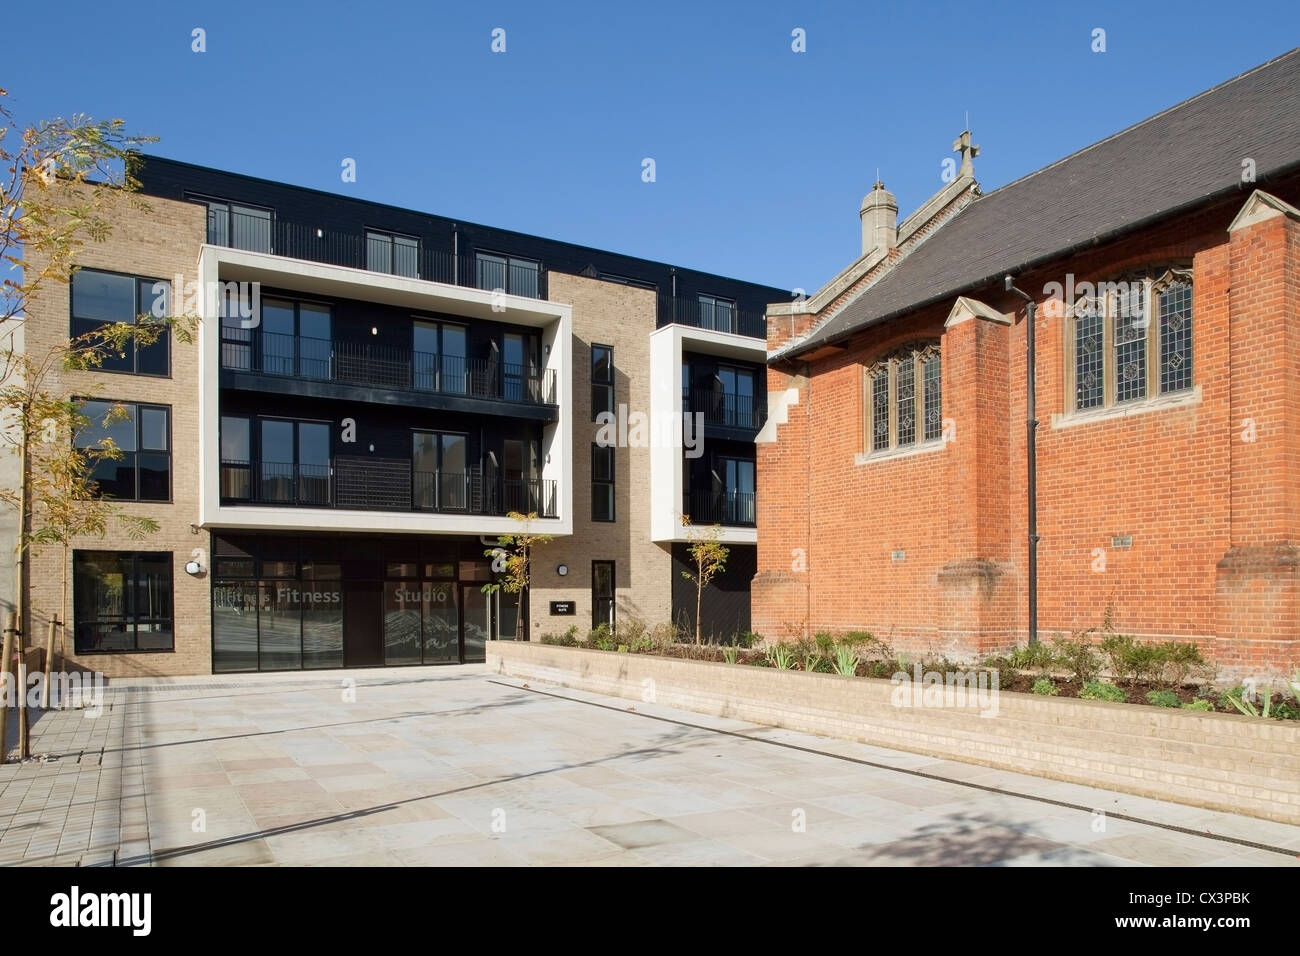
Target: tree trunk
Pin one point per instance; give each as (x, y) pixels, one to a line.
(699, 601)
(20, 598)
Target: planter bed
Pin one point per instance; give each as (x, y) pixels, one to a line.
(1215, 760)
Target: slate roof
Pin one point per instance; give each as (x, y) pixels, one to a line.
(1173, 161)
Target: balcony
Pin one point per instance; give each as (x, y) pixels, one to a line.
(713, 316)
(384, 484)
(723, 507)
(302, 358)
(261, 233)
(725, 409)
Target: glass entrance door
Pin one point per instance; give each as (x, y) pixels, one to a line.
(476, 623)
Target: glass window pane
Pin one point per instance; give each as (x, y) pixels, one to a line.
(115, 478)
(250, 228)
(905, 392)
(453, 478)
(441, 623)
(218, 224)
(92, 432)
(99, 595)
(104, 297)
(322, 624)
(1089, 356)
(491, 271)
(280, 626)
(454, 363)
(155, 476)
(406, 257)
(1130, 343)
(402, 622)
(153, 429)
(1176, 337)
(933, 398)
(379, 252)
(234, 626)
(880, 410)
(602, 364)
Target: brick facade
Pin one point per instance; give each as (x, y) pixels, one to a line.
(927, 549)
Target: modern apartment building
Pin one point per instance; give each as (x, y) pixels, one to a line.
(370, 393)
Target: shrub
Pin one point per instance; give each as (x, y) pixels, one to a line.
(1037, 657)
(643, 645)
(629, 632)
(779, 656)
(622, 649)
(1146, 662)
(664, 635)
(1178, 660)
(1199, 704)
(1101, 690)
(846, 660)
(568, 639)
(1237, 698)
(1077, 655)
(1118, 649)
(825, 641)
(811, 661)
(1163, 698)
(1045, 687)
(746, 640)
(1286, 710)
(730, 653)
(1004, 669)
(867, 644)
(601, 638)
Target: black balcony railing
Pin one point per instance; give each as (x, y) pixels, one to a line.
(259, 233)
(713, 315)
(385, 366)
(384, 484)
(725, 408)
(720, 507)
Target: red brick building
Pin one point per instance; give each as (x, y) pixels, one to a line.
(1165, 262)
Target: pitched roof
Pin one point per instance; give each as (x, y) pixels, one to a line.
(1176, 159)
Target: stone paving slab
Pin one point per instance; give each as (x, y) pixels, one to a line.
(453, 766)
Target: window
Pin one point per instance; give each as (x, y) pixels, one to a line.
(734, 485)
(602, 482)
(142, 436)
(439, 357)
(733, 397)
(1132, 340)
(397, 255)
(294, 468)
(122, 601)
(625, 280)
(602, 380)
(238, 226)
(903, 398)
(291, 338)
(602, 593)
(717, 314)
(99, 298)
(515, 276)
(441, 467)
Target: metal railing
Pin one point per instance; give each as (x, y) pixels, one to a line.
(384, 484)
(296, 240)
(712, 315)
(386, 366)
(720, 507)
(725, 408)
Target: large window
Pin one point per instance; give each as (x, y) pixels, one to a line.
(733, 397)
(1130, 341)
(717, 313)
(512, 275)
(602, 482)
(122, 601)
(295, 465)
(100, 298)
(398, 255)
(292, 339)
(439, 362)
(142, 436)
(902, 396)
(602, 380)
(238, 226)
(441, 470)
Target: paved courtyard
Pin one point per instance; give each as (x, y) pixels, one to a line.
(454, 766)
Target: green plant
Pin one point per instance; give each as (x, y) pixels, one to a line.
(630, 632)
(601, 638)
(1037, 657)
(1146, 662)
(881, 668)
(1199, 704)
(811, 662)
(1238, 699)
(1179, 658)
(825, 643)
(622, 648)
(730, 654)
(846, 660)
(1118, 649)
(778, 655)
(1101, 690)
(1286, 710)
(1045, 687)
(513, 558)
(1077, 655)
(709, 557)
(746, 639)
(1002, 666)
(1163, 698)
(643, 645)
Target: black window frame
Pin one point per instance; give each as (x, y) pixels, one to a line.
(599, 450)
(136, 419)
(598, 601)
(600, 387)
(392, 238)
(510, 261)
(78, 326)
(230, 204)
(131, 593)
(713, 301)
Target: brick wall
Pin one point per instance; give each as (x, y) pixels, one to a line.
(159, 240)
(1214, 521)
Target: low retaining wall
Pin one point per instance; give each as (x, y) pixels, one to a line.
(1219, 761)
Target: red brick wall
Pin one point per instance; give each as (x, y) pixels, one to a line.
(1215, 522)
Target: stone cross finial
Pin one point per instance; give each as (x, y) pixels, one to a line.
(962, 144)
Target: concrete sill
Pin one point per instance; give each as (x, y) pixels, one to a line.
(1160, 403)
(895, 453)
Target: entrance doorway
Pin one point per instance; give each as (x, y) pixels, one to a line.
(363, 611)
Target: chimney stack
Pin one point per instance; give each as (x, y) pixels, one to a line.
(879, 215)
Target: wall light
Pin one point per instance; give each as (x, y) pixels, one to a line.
(374, 330)
(561, 569)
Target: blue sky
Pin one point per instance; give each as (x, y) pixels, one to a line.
(762, 155)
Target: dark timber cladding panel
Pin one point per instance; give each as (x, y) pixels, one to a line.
(725, 608)
(176, 180)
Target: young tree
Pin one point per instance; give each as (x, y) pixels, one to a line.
(62, 182)
(513, 557)
(710, 558)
